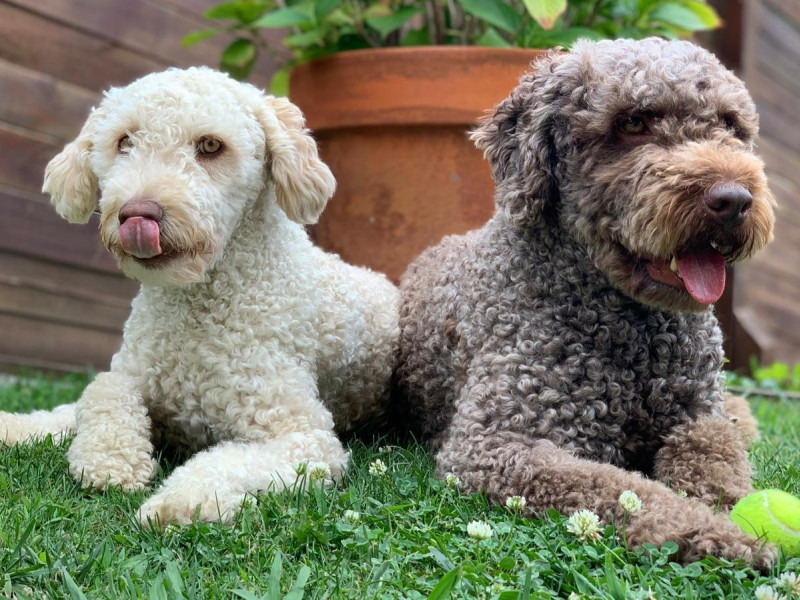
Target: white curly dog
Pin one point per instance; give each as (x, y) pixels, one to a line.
(246, 344)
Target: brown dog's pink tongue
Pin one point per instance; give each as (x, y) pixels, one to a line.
(703, 274)
(139, 237)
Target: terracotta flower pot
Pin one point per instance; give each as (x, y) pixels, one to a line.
(392, 124)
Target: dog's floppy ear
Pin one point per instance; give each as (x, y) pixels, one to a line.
(69, 179)
(303, 183)
(517, 140)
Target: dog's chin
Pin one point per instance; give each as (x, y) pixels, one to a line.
(649, 281)
(171, 268)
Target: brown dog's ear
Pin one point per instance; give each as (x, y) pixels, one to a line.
(69, 179)
(303, 183)
(517, 140)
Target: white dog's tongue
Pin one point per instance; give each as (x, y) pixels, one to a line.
(139, 237)
(703, 274)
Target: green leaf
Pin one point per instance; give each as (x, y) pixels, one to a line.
(239, 58)
(416, 37)
(323, 7)
(445, 586)
(386, 25)
(494, 12)
(274, 590)
(239, 53)
(244, 11)
(567, 37)
(545, 12)
(74, 591)
(679, 16)
(704, 12)
(193, 37)
(304, 39)
(279, 84)
(283, 17)
(296, 592)
(246, 594)
(493, 39)
(614, 585)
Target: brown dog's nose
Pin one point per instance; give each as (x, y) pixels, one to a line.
(148, 209)
(728, 204)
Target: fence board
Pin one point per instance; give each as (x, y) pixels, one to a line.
(42, 103)
(54, 345)
(70, 55)
(33, 228)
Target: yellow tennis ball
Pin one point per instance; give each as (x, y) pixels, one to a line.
(773, 514)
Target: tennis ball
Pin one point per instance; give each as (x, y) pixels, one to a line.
(773, 514)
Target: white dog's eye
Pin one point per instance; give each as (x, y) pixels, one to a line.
(124, 145)
(209, 146)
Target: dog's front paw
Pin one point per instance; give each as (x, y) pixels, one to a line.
(184, 506)
(99, 470)
(733, 545)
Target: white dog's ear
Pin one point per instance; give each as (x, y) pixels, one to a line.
(303, 183)
(69, 178)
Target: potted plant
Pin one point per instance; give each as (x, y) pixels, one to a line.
(391, 88)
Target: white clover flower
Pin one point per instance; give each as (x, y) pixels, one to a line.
(515, 503)
(682, 493)
(765, 592)
(377, 468)
(573, 596)
(789, 582)
(352, 515)
(385, 449)
(319, 471)
(301, 468)
(451, 480)
(630, 502)
(480, 530)
(585, 525)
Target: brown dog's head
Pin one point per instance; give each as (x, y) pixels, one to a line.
(642, 152)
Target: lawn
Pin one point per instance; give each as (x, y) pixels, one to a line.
(394, 534)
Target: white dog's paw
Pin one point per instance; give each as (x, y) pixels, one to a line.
(183, 507)
(99, 471)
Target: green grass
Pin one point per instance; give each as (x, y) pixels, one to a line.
(410, 541)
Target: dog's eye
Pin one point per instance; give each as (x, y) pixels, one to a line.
(209, 146)
(633, 126)
(732, 125)
(124, 144)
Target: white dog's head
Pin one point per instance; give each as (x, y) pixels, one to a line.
(172, 161)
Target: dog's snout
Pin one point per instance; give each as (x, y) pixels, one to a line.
(141, 208)
(728, 203)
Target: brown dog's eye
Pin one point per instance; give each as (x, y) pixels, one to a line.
(209, 146)
(124, 145)
(633, 126)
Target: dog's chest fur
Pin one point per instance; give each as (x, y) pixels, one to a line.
(583, 365)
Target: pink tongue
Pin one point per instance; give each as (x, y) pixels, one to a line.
(703, 274)
(139, 237)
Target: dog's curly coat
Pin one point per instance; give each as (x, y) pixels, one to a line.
(246, 344)
(554, 353)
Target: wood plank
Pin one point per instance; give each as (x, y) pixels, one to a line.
(33, 228)
(31, 341)
(104, 313)
(58, 278)
(24, 157)
(40, 102)
(193, 7)
(151, 29)
(790, 9)
(92, 62)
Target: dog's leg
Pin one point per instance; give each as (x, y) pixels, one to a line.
(112, 445)
(212, 485)
(707, 459)
(16, 428)
(504, 464)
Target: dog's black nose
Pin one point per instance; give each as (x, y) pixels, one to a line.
(728, 204)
